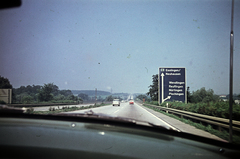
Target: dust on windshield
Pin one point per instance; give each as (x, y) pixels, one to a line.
(65, 56)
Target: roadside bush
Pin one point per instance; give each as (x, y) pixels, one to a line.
(217, 109)
(59, 97)
(51, 109)
(27, 99)
(30, 110)
(203, 95)
(152, 102)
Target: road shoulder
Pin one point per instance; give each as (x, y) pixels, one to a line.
(182, 126)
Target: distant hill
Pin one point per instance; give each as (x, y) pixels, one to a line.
(120, 94)
(91, 92)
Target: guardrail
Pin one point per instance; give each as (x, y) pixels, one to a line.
(38, 105)
(53, 104)
(220, 122)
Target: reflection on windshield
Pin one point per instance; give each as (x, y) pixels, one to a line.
(60, 56)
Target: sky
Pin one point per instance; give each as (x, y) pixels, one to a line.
(119, 45)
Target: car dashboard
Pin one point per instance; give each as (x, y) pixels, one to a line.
(45, 136)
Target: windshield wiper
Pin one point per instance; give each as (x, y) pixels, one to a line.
(88, 114)
(91, 114)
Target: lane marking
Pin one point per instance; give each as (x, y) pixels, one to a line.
(161, 120)
(115, 111)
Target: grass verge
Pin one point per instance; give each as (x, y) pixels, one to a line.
(53, 110)
(222, 134)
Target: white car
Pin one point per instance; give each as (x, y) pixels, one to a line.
(116, 102)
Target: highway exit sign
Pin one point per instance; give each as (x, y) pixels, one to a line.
(172, 84)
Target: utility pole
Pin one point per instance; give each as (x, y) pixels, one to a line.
(95, 96)
(231, 76)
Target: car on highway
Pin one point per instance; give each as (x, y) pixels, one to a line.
(131, 102)
(116, 102)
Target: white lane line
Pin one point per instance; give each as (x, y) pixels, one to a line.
(161, 120)
(115, 111)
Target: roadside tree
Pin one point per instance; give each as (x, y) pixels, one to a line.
(83, 96)
(203, 95)
(109, 98)
(27, 99)
(45, 93)
(142, 96)
(153, 89)
(4, 83)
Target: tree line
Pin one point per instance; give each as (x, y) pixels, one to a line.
(37, 93)
(47, 93)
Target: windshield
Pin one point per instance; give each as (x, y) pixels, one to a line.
(165, 55)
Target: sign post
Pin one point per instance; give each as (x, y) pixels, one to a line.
(172, 84)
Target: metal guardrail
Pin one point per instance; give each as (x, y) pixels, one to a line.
(38, 105)
(220, 122)
(54, 104)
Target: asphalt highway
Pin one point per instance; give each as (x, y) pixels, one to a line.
(126, 110)
(142, 113)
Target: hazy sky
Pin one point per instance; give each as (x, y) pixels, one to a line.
(81, 45)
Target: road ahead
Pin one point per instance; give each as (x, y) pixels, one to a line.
(139, 112)
(129, 111)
